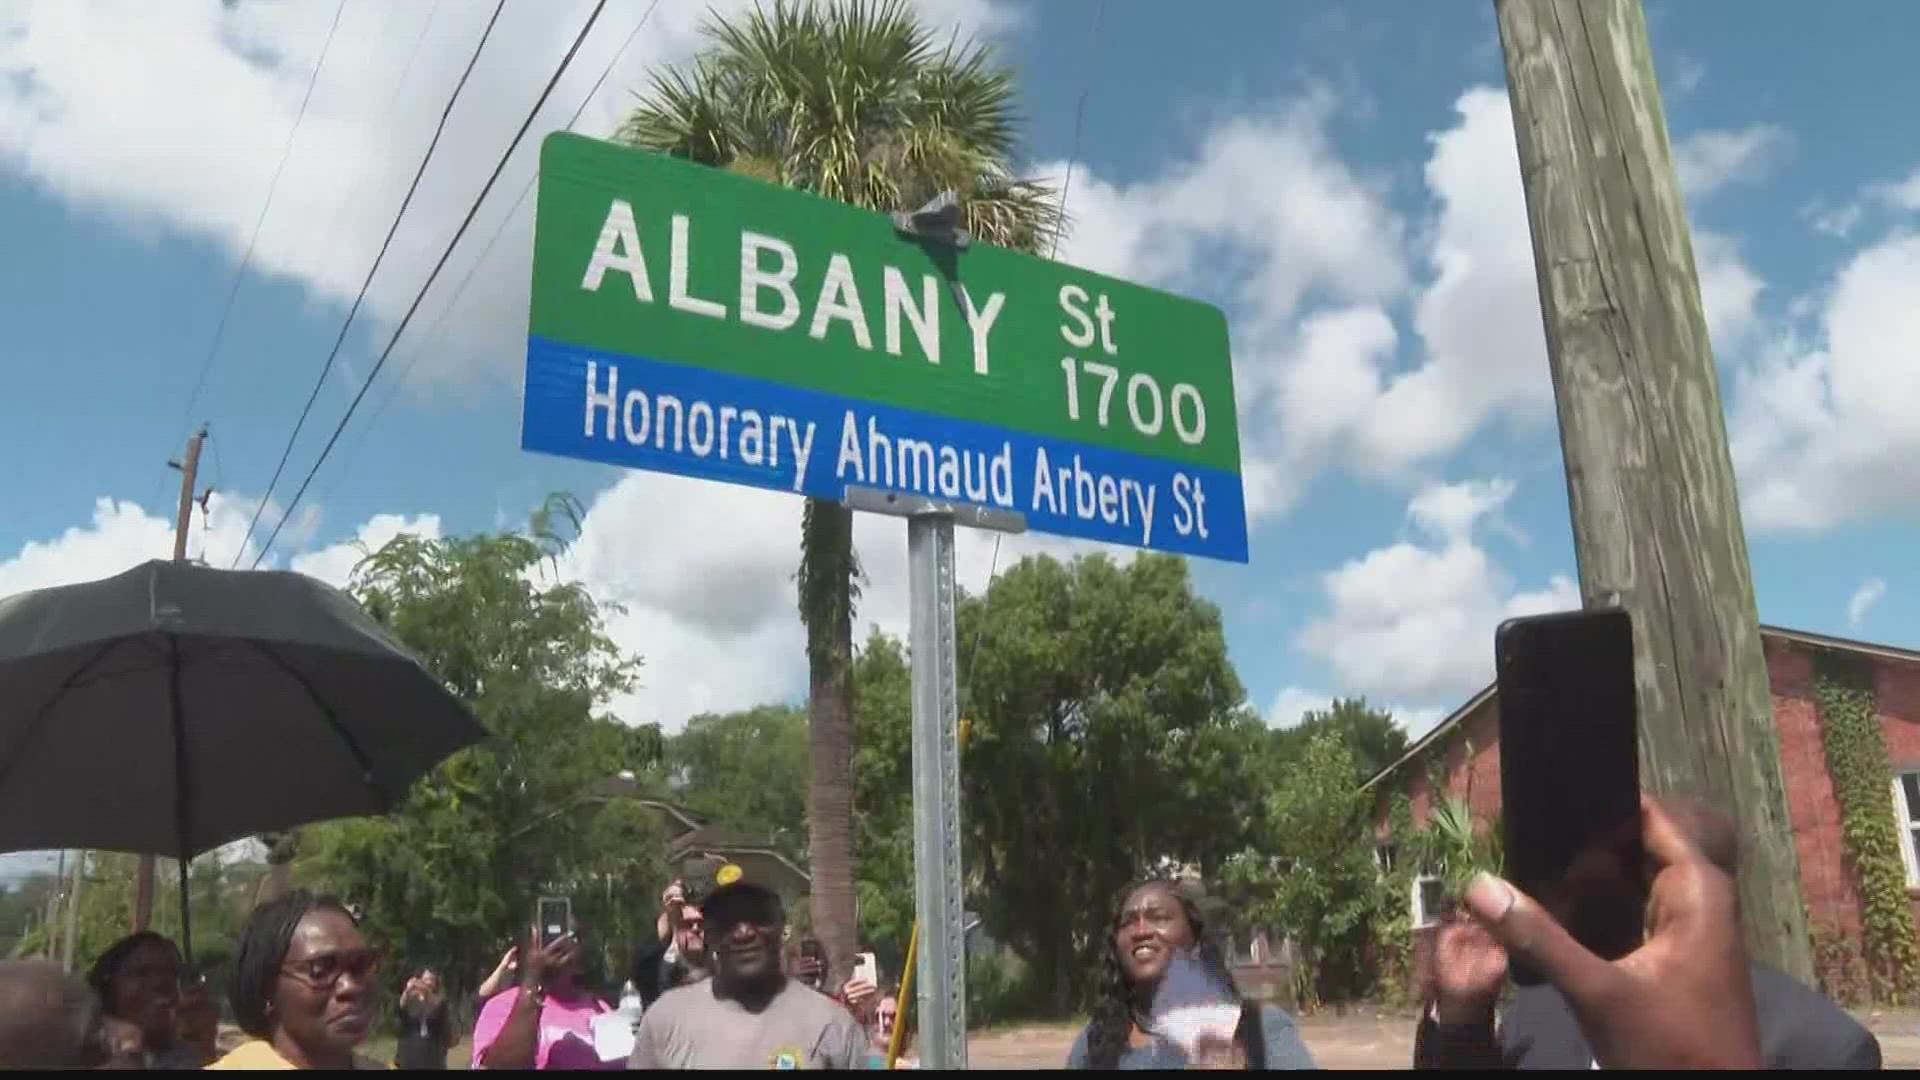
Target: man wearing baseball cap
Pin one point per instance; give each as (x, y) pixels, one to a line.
(749, 1015)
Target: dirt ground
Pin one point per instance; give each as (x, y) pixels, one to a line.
(1366, 1039)
(1358, 1040)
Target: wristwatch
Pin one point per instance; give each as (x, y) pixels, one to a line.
(537, 993)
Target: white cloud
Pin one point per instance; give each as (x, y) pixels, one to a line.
(1292, 703)
(1825, 433)
(1478, 317)
(1450, 511)
(1903, 194)
(1316, 224)
(705, 572)
(1729, 289)
(1321, 233)
(1413, 622)
(175, 115)
(1314, 274)
(1835, 221)
(121, 535)
(334, 564)
(1707, 161)
(1863, 600)
(1688, 72)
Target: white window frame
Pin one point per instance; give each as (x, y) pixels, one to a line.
(1422, 918)
(1907, 818)
(1384, 857)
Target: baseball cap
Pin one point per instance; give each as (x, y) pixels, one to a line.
(735, 898)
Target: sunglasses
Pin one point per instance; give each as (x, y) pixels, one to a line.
(324, 972)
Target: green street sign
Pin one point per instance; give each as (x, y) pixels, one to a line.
(693, 321)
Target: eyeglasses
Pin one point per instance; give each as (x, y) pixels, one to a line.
(324, 972)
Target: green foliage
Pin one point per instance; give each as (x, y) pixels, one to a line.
(453, 873)
(1315, 876)
(1110, 737)
(222, 895)
(883, 798)
(23, 908)
(1862, 778)
(1372, 735)
(1839, 967)
(856, 101)
(998, 990)
(746, 771)
(1393, 917)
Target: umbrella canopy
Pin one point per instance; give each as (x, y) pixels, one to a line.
(173, 708)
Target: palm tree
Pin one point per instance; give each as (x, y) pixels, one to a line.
(853, 100)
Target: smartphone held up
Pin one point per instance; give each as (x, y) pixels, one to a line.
(1570, 774)
(1192, 1005)
(554, 917)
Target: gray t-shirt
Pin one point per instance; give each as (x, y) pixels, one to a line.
(692, 1028)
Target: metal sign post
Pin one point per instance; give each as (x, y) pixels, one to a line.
(939, 885)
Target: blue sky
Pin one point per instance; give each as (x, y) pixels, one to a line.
(1340, 178)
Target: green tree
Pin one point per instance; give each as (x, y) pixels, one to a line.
(857, 101)
(746, 771)
(1110, 738)
(1312, 874)
(883, 798)
(454, 871)
(1372, 735)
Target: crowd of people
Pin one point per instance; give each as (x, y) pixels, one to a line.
(724, 986)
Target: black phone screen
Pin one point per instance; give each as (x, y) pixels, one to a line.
(1570, 775)
(555, 917)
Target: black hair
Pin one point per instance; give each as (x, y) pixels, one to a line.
(262, 952)
(100, 977)
(1116, 1012)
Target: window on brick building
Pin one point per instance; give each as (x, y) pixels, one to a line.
(1383, 857)
(1429, 899)
(1906, 807)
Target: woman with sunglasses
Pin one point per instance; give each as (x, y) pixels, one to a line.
(169, 1021)
(304, 987)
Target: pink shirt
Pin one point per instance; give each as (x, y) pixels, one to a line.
(566, 1031)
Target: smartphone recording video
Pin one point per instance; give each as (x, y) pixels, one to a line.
(1570, 775)
(555, 917)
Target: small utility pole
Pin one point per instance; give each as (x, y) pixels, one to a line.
(182, 522)
(1656, 517)
(73, 913)
(55, 895)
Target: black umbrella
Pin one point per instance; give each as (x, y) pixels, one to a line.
(171, 709)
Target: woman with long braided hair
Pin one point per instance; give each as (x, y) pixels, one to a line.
(1154, 920)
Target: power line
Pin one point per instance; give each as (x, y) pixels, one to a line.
(460, 290)
(414, 307)
(273, 186)
(334, 353)
(1079, 114)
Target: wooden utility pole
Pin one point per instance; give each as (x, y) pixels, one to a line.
(73, 912)
(182, 522)
(1656, 516)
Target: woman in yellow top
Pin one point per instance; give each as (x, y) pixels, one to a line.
(304, 988)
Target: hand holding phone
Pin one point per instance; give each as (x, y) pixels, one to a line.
(1570, 775)
(1193, 1009)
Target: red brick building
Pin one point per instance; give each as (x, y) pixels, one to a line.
(1466, 747)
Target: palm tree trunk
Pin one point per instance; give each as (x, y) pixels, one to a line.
(826, 604)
